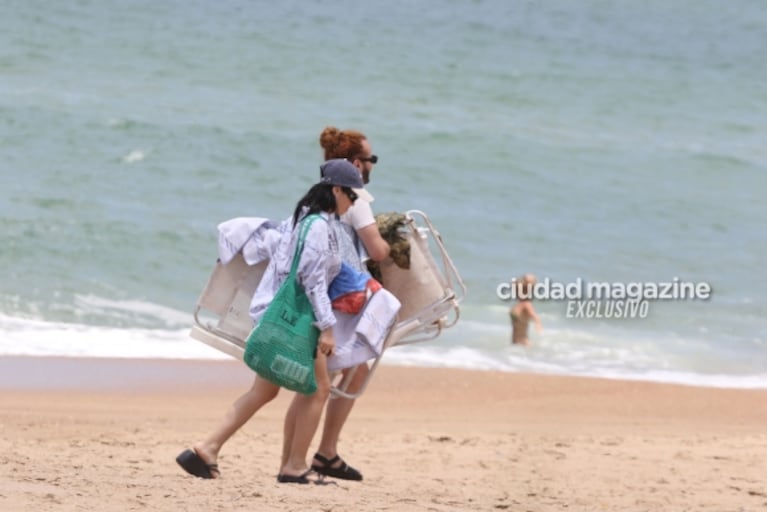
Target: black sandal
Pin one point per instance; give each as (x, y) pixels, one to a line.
(344, 471)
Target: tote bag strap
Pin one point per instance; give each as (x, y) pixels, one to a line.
(306, 223)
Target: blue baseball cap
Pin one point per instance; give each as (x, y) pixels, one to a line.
(342, 173)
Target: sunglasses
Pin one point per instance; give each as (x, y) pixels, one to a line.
(351, 194)
(373, 159)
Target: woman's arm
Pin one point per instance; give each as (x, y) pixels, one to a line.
(312, 272)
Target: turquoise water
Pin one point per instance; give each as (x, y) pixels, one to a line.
(602, 140)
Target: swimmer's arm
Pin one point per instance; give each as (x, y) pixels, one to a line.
(534, 316)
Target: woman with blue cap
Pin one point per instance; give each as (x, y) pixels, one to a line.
(319, 263)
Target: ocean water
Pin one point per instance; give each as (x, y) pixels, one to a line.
(608, 141)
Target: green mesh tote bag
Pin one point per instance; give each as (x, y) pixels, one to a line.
(281, 347)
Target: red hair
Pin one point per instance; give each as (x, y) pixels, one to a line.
(341, 143)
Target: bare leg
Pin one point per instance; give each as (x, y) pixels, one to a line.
(261, 393)
(306, 413)
(338, 411)
(288, 431)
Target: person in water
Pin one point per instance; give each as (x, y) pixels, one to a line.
(523, 311)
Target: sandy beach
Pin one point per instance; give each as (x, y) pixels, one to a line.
(101, 434)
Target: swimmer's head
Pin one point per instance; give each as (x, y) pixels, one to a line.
(525, 285)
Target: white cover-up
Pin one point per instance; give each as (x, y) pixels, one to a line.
(359, 337)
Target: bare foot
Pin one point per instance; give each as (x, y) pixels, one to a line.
(209, 457)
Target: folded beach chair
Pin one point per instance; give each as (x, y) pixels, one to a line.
(430, 292)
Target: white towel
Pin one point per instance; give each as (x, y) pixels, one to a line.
(256, 237)
(361, 337)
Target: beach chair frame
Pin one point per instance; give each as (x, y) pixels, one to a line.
(222, 320)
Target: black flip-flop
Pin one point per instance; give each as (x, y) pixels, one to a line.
(194, 465)
(292, 479)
